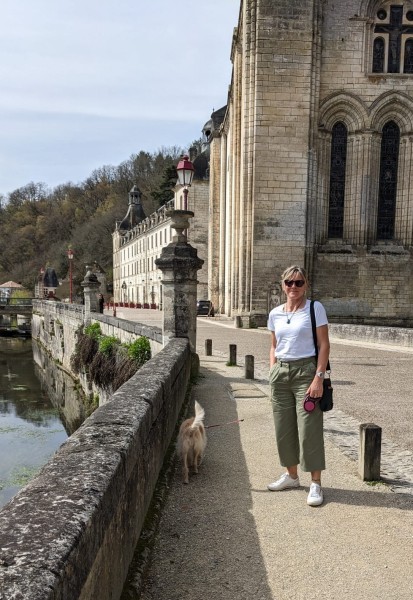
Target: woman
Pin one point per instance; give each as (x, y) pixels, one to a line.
(294, 372)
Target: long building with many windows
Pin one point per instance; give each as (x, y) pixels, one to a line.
(138, 241)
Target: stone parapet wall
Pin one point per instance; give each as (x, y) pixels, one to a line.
(128, 331)
(54, 325)
(392, 336)
(71, 532)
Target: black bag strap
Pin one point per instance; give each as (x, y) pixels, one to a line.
(313, 326)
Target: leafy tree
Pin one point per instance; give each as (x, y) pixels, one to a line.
(37, 224)
(164, 193)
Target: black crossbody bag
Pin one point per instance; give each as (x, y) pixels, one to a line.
(326, 400)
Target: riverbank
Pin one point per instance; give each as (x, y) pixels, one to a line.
(31, 427)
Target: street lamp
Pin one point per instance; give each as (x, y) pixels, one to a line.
(124, 291)
(70, 255)
(185, 170)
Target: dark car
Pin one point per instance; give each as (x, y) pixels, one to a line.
(204, 307)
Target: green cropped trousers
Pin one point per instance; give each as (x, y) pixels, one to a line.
(299, 434)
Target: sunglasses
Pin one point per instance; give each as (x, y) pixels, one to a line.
(297, 282)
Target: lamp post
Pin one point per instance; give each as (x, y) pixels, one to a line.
(40, 291)
(124, 291)
(70, 255)
(185, 170)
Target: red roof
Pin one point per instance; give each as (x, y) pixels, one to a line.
(10, 284)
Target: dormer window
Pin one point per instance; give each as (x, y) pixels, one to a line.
(393, 40)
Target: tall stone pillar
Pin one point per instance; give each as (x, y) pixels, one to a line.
(363, 165)
(179, 264)
(403, 226)
(90, 286)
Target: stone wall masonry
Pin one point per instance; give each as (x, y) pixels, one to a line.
(299, 67)
(347, 55)
(395, 336)
(71, 532)
(54, 325)
(128, 331)
(365, 289)
(276, 105)
(198, 202)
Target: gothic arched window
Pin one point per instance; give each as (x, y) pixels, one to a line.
(337, 180)
(378, 55)
(408, 56)
(389, 160)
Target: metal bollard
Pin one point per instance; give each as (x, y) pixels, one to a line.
(232, 355)
(370, 452)
(208, 347)
(249, 366)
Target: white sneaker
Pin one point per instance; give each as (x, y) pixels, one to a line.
(315, 496)
(283, 483)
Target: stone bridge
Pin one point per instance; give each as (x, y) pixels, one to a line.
(16, 306)
(10, 309)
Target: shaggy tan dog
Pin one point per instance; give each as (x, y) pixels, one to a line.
(192, 441)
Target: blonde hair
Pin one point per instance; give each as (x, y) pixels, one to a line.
(294, 270)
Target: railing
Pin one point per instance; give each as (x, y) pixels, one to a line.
(16, 301)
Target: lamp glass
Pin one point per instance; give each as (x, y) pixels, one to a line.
(185, 170)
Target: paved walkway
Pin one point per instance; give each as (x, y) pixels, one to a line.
(225, 537)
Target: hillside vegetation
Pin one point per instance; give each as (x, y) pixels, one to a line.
(37, 224)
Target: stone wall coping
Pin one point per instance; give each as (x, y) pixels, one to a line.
(58, 307)
(77, 311)
(150, 331)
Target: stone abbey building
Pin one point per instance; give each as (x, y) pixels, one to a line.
(312, 160)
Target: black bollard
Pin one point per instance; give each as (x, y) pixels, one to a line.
(249, 366)
(370, 452)
(208, 347)
(232, 355)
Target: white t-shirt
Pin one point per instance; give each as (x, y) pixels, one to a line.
(295, 339)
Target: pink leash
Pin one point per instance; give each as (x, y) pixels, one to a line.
(222, 424)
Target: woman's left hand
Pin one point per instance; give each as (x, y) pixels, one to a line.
(316, 388)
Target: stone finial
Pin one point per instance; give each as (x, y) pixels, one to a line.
(90, 276)
(179, 222)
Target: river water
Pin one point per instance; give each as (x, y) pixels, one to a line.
(39, 409)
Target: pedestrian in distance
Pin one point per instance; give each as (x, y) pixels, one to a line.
(101, 302)
(295, 372)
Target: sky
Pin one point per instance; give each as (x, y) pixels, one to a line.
(87, 83)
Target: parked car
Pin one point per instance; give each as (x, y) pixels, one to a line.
(205, 308)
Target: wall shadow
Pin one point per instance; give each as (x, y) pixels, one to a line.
(207, 545)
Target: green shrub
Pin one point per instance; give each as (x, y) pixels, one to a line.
(140, 350)
(108, 362)
(93, 331)
(108, 344)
